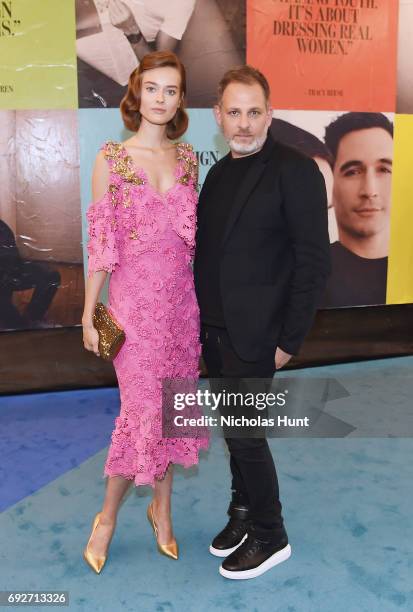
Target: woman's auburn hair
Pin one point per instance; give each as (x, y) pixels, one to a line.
(131, 102)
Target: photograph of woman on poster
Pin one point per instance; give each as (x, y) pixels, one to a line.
(114, 35)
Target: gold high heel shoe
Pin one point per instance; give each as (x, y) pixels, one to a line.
(96, 563)
(169, 550)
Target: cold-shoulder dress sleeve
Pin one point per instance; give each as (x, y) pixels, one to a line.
(102, 229)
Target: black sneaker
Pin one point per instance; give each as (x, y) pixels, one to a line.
(254, 557)
(233, 534)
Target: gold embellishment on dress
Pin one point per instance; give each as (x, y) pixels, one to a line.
(124, 168)
(126, 196)
(191, 164)
(133, 235)
(102, 237)
(113, 191)
(112, 149)
(123, 163)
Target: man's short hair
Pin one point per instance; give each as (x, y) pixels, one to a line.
(352, 122)
(244, 74)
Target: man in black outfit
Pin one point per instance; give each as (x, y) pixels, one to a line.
(261, 264)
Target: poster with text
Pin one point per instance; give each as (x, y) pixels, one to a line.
(326, 54)
(37, 54)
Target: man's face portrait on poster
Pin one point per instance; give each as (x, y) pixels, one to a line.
(362, 184)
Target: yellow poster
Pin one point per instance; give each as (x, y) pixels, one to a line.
(400, 272)
(38, 56)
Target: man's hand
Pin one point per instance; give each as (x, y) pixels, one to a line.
(121, 17)
(281, 358)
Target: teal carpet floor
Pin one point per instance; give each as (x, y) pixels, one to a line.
(347, 508)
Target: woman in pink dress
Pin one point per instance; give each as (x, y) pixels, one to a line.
(141, 228)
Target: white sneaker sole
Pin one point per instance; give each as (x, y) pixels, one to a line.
(275, 559)
(227, 551)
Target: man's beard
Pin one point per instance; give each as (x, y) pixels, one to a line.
(247, 148)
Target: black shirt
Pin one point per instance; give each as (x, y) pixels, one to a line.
(355, 280)
(209, 248)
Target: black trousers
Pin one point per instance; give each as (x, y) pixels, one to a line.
(27, 275)
(254, 477)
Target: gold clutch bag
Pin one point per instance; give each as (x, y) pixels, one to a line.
(111, 336)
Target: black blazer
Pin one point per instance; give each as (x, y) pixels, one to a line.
(275, 253)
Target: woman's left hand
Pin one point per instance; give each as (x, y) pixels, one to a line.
(121, 17)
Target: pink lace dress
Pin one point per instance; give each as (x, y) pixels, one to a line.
(146, 240)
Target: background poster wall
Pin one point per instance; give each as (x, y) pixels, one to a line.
(63, 71)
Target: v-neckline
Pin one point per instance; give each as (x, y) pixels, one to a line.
(141, 170)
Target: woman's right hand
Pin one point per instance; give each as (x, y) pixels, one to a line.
(91, 339)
